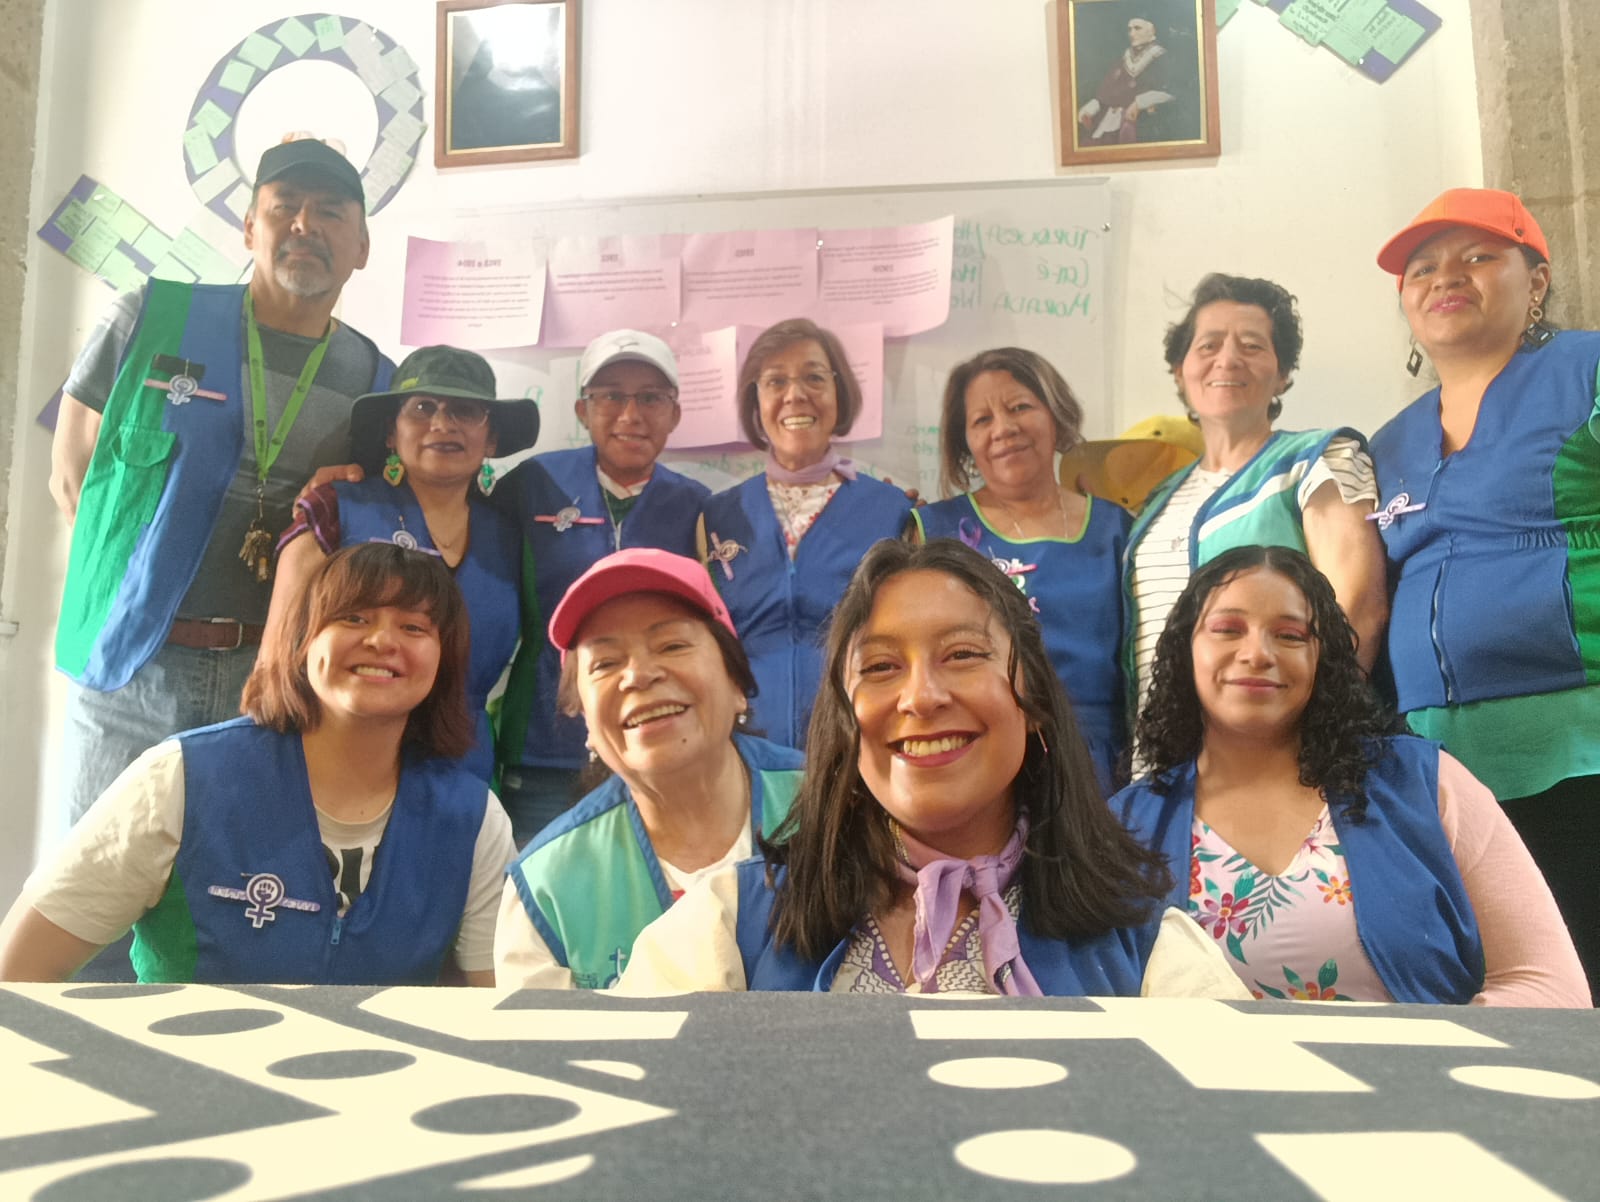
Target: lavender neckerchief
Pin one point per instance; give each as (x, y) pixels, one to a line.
(816, 473)
(939, 882)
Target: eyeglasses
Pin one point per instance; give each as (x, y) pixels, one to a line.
(467, 414)
(812, 383)
(651, 401)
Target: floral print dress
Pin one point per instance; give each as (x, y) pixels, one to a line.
(1292, 935)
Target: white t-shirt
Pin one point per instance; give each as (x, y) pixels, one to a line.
(116, 862)
(522, 959)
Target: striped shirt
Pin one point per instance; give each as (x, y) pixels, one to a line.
(1161, 558)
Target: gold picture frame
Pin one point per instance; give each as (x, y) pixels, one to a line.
(1138, 80)
(506, 83)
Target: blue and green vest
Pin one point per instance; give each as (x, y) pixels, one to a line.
(251, 897)
(552, 493)
(155, 483)
(1494, 550)
(780, 605)
(1110, 964)
(590, 882)
(488, 576)
(1259, 505)
(1413, 916)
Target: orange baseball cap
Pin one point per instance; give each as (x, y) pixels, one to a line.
(1478, 208)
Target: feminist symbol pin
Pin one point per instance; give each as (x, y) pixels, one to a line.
(565, 519)
(265, 893)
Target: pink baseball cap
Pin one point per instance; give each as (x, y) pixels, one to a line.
(635, 570)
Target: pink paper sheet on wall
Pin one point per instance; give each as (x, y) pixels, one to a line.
(753, 277)
(478, 294)
(894, 276)
(600, 284)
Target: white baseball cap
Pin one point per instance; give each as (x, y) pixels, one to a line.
(626, 346)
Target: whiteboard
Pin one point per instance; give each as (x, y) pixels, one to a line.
(1029, 270)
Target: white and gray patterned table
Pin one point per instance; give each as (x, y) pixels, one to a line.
(180, 1093)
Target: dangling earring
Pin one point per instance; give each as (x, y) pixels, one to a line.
(1537, 333)
(593, 755)
(486, 478)
(1414, 359)
(1045, 746)
(393, 470)
(743, 719)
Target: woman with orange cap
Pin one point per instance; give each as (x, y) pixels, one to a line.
(1490, 516)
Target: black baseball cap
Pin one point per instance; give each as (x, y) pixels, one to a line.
(311, 156)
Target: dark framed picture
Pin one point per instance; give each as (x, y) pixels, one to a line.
(507, 83)
(1138, 80)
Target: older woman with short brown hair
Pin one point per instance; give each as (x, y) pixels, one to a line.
(782, 545)
(1233, 355)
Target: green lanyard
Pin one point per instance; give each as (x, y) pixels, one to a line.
(256, 551)
(267, 451)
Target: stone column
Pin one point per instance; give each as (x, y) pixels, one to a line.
(1539, 104)
(20, 24)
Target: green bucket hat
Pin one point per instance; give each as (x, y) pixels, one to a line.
(441, 371)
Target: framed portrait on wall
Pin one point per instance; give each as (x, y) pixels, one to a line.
(506, 88)
(1138, 80)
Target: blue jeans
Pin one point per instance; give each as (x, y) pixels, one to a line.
(179, 689)
(535, 797)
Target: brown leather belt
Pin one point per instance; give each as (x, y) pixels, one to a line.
(213, 634)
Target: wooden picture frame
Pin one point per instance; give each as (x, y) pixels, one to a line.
(506, 83)
(1115, 54)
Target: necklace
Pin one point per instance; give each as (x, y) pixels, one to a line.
(1061, 508)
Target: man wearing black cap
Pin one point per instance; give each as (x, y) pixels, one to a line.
(189, 421)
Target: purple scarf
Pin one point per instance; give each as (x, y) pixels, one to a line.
(816, 473)
(939, 882)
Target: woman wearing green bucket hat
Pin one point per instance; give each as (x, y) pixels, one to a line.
(422, 447)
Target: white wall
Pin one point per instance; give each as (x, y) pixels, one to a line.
(719, 96)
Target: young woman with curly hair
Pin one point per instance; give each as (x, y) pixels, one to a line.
(1329, 858)
(949, 835)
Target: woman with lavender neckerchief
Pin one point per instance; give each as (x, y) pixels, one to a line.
(781, 546)
(948, 836)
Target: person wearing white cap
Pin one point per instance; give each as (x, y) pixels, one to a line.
(577, 506)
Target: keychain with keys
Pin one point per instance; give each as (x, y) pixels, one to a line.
(256, 550)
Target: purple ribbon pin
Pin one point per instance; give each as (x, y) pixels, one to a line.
(1398, 504)
(723, 553)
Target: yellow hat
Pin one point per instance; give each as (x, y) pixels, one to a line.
(1124, 469)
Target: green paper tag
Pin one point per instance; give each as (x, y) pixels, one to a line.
(237, 77)
(294, 34)
(260, 51)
